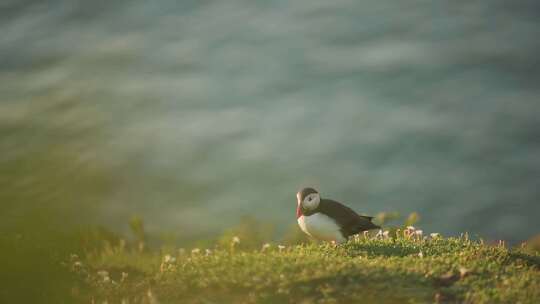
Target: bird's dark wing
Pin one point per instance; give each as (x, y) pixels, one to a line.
(349, 221)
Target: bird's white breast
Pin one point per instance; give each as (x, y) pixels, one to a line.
(321, 227)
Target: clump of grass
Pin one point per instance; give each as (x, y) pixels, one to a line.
(400, 267)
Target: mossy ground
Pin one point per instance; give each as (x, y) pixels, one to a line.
(365, 270)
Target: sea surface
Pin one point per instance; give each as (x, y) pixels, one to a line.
(193, 114)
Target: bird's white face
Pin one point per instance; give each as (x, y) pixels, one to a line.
(310, 202)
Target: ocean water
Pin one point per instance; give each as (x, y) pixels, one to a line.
(193, 114)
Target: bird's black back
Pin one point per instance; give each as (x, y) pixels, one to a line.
(349, 221)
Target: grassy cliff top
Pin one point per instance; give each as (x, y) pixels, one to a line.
(400, 269)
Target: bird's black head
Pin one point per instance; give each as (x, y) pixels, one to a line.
(308, 199)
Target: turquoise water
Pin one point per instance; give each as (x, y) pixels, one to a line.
(194, 114)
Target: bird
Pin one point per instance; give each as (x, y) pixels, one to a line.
(328, 220)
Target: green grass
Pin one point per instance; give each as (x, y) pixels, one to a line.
(364, 270)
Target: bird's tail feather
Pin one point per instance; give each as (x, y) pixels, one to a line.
(370, 225)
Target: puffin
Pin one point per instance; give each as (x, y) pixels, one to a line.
(328, 220)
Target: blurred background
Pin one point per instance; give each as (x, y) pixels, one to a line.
(194, 114)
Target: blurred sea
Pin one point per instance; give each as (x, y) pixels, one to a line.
(195, 113)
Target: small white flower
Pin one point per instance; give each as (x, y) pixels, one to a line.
(236, 240)
(167, 258)
(124, 276)
(265, 246)
(103, 273)
(409, 231)
(418, 233)
(195, 251)
(386, 234)
(280, 247)
(435, 235)
(151, 298)
(420, 254)
(208, 251)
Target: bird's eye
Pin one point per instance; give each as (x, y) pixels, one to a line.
(309, 199)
